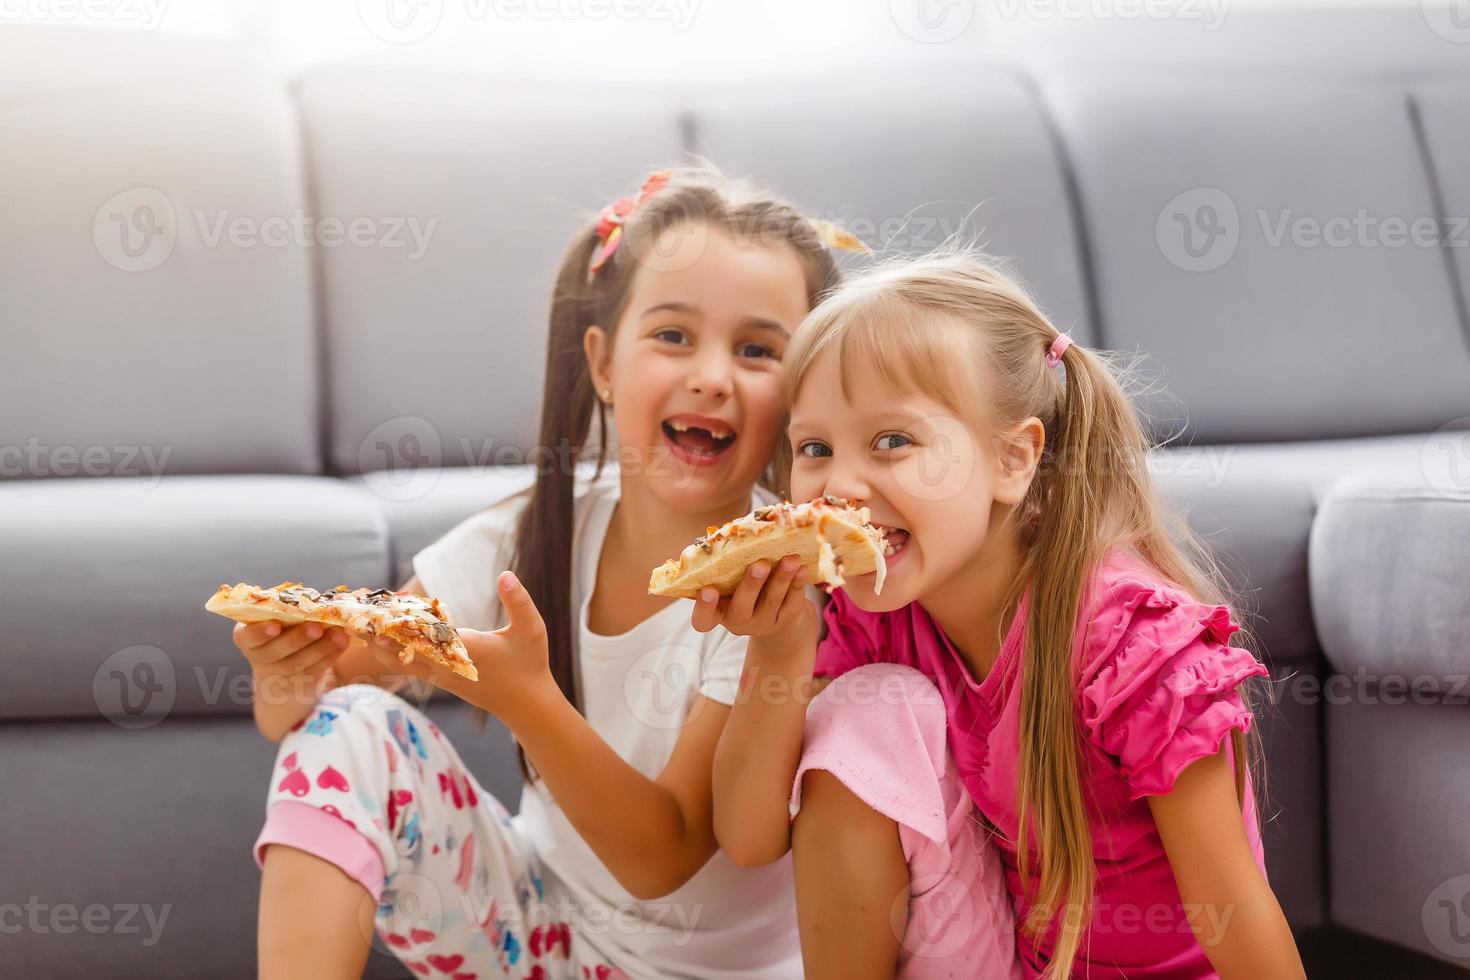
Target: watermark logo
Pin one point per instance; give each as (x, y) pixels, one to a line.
(36, 458)
(659, 687)
(400, 459)
(941, 467)
(135, 687)
(400, 21)
(1445, 459)
(40, 918)
(1450, 19)
(135, 230)
(1209, 13)
(1446, 917)
(1198, 230)
(410, 916)
(932, 21)
(143, 15)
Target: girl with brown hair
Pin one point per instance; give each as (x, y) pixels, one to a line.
(661, 413)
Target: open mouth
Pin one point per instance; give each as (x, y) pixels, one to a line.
(895, 540)
(698, 440)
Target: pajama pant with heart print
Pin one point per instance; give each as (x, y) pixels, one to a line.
(369, 784)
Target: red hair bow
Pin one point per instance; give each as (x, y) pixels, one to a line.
(610, 220)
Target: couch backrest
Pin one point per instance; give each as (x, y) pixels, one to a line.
(142, 327)
(1256, 237)
(436, 349)
(976, 161)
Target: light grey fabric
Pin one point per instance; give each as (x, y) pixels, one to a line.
(163, 817)
(420, 507)
(103, 585)
(1389, 590)
(198, 348)
(1444, 112)
(1294, 829)
(1253, 505)
(1400, 844)
(1268, 341)
(1289, 42)
(906, 173)
(438, 357)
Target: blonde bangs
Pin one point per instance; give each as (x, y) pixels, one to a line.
(912, 348)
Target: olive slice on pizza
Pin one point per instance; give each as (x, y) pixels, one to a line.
(832, 538)
(420, 626)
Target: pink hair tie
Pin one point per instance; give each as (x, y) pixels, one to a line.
(1057, 349)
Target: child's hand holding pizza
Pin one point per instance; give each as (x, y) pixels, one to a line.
(280, 649)
(769, 601)
(512, 662)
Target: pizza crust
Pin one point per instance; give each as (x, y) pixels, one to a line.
(420, 626)
(831, 537)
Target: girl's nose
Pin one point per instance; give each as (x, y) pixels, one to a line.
(711, 376)
(849, 485)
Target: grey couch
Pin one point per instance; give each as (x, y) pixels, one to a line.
(196, 393)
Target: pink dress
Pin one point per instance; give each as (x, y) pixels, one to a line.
(1158, 690)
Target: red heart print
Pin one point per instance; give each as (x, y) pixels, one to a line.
(290, 761)
(396, 940)
(295, 783)
(420, 968)
(330, 778)
(465, 976)
(447, 964)
(422, 936)
(603, 972)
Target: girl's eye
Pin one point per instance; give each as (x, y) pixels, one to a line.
(892, 440)
(670, 335)
(755, 350)
(814, 449)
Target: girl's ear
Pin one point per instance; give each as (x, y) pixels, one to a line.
(598, 348)
(1019, 456)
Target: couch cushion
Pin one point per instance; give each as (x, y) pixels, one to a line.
(442, 340)
(155, 325)
(420, 507)
(1397, 795)
(1390, 583)
(162, 820)
(1265, 328)
(979, 161)
(1254, 504)
(104, 581)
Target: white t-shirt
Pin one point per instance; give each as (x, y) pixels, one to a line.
(636, 690)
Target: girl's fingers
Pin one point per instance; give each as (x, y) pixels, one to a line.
(707, 609)
(314, 653)
(248, 636)
(774, 594)
(292, 639)
(747, 593)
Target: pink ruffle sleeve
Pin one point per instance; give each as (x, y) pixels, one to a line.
(1160, 684)
(848, 640)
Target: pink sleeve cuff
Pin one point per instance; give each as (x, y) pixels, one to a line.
(306, 828)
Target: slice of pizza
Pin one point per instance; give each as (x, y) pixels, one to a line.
(831, 537)
(419, 625)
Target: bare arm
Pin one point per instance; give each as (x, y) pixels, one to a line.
(759, 753)
(1231, 908)
(761, 746)
(653, 834)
